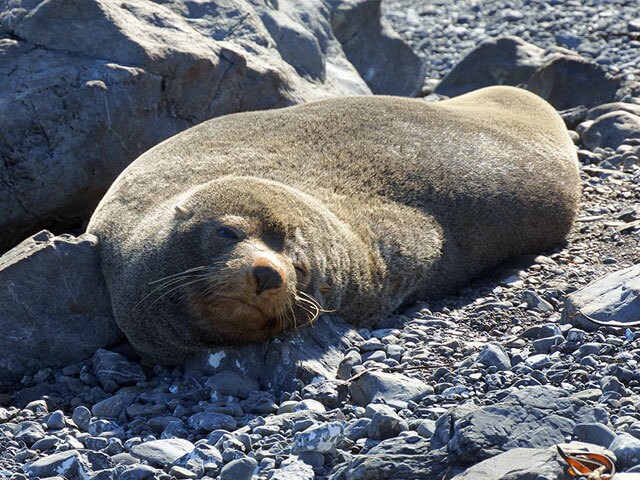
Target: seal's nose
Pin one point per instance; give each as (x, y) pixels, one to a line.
(266, 278)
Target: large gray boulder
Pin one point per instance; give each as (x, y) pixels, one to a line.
(56, 308)
(533, 417)
(497, 61)
(383, 59)
(567, 81)
(86, 86)
(611, 130)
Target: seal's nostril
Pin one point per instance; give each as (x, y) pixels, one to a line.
(266, 278)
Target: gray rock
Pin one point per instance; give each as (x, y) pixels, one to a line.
(402, 457)
(321, 438)
(605, 108)
(519, 464)
(82, 417)
(611, 130)
(567, 81)
(28, 432)
(145, 71)
(138, 472)
(55, 420)
(259, 402)
(55, 306)
(210, 421)
(426, 428)
(114, 370)
(345, 367)
(330, 393)
(627, 450)
(612, 300)
(304, 355)
(496, 61)
(161, 453)
(293, 470)
(385, 386)
(386, 424)
(493, 355)
(202, 457)
(110, 407)
(69, 464)
(357, 429)
(383, 59)
(595, 433)
(240, 469)
(228, 382)
(536, 302)
(533, 417)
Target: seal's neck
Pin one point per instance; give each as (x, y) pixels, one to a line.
(385, 251)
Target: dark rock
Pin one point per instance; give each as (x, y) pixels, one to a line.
(402, 457)
(533, 417)
(573, 116)
(385, 62)
(82, 417)
(302, 355)
(114, 370)
(330, 393)
(259, 402)
(567, 81)
(595, 433)
(357, 429)
(161, 453)
(386, 423)
(627, 450)
(228, 382)
(240, 469)
(209, 421)
(611, 130)
(496, 61)
(493, 355)
(612, 300)
(138, 472)
(385, 386)
(54, 303)
(69, 464)
(605, 108)
(28, 432)
(519, 463)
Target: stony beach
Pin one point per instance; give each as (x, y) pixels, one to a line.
(478, 385)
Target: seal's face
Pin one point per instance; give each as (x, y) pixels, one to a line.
(250, 275)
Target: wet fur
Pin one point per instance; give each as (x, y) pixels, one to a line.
(386, 200)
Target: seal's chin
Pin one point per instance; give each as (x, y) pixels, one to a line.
(233, 320)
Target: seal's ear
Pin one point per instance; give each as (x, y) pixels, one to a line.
(183, 212)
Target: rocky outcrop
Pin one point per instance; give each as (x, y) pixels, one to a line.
(85, 87)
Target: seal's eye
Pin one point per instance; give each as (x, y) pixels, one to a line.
(229, 233)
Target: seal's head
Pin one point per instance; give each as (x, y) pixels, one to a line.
(233, 266)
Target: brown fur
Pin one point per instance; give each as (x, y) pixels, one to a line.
(377, 201)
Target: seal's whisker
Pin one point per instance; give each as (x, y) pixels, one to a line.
(191, 270)
(170, 283)
(315, 302)
(174, 289)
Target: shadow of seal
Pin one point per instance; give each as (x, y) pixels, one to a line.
(254, 223)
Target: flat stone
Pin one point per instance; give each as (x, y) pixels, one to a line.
(228, 382)
(627, 450)
(518, 463)
(161, 453)
(385, 386)
(613, 300)
(210, 421)
(595, 433)
(611, 130)
(321, 438)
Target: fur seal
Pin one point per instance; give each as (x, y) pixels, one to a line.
(253, 223)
